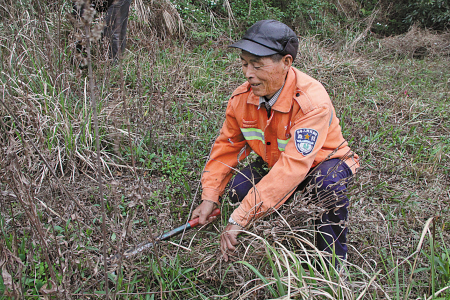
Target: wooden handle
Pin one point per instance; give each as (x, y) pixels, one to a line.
(214, 213)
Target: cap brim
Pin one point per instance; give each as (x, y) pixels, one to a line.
(253, 48)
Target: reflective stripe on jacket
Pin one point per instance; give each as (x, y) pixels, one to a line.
(302, 131)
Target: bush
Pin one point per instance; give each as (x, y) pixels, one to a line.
(398, 17)
(433, 14)
(303, 16)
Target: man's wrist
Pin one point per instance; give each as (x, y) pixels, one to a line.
(233, 222)
(216, 204)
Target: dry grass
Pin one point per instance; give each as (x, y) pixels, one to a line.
(159, 16)
(417, 43)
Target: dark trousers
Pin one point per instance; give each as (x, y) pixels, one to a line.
(326, 183)
(116, 27)
(116, 20)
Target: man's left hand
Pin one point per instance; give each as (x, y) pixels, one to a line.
(228, 239)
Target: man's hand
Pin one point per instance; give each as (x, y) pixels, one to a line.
(203, 211)
(228, 239)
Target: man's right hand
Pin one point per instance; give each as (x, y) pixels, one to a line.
(203, 211)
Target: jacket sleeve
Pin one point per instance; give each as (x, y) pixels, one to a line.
(225, 154)
(290, 169)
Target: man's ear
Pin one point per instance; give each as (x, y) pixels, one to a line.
(288, 60)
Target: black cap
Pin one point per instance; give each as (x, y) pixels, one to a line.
(268, 37)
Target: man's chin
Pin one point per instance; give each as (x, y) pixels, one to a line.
(258, 93)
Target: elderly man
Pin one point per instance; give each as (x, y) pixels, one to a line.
(287, 118)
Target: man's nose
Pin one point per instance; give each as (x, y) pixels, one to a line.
(249, 72)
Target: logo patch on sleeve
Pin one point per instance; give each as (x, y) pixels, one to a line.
(305, 140)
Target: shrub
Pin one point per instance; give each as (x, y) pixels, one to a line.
(313, 16)
(399, 16)
(429, 13)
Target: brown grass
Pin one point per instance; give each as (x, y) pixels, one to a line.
(417, 43)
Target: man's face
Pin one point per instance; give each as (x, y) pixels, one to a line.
(264, 75)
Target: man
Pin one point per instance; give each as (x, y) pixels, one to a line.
(116, 23)
(287, 118)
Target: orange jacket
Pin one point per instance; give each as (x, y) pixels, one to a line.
(302, 131)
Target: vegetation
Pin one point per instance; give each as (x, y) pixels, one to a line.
(399, 16)
(158, 111)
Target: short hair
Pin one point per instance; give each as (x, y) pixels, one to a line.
(276, 57)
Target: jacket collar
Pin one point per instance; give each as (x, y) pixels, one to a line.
(286, 97)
